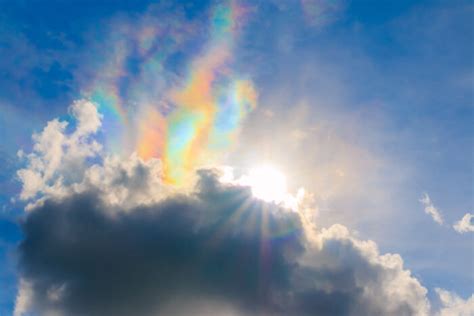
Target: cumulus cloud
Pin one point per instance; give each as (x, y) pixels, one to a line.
(452, 304)
(464, 225)
(58, 157)
(66, 161)
(430, 209)
(217, 247)
(127, 182)
(113, 239)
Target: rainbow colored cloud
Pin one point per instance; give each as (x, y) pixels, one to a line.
(183, 119)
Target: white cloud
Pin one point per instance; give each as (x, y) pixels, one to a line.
(464, 224)
(23, 300)
(58, 157)
(87, 116)
(58, 166)
(127, 182)
(430, 209)
(453, 305)
(383, 279)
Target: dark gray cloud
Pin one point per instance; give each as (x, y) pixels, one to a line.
(217, 251)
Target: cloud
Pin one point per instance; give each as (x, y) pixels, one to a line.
(23, 300)
(430, 209)
(452, 304)
(127, 182)
(109, 237)
(59, 157)
(66, 161)
(464, 225)
(217, 248)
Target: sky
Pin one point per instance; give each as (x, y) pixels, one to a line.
(236, 157)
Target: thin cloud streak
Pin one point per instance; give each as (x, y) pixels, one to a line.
(430, 209)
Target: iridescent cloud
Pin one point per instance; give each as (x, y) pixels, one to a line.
(182, 116)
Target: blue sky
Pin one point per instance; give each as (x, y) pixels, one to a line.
(377, 93)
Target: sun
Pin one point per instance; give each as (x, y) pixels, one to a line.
(267, 183)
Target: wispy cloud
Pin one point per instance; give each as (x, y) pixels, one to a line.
(430, 209)
(319, 13)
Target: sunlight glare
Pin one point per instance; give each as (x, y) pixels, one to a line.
(267, 184)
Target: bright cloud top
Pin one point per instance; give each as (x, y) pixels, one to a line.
(68, 159)
(58, 156)
(268, 184)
